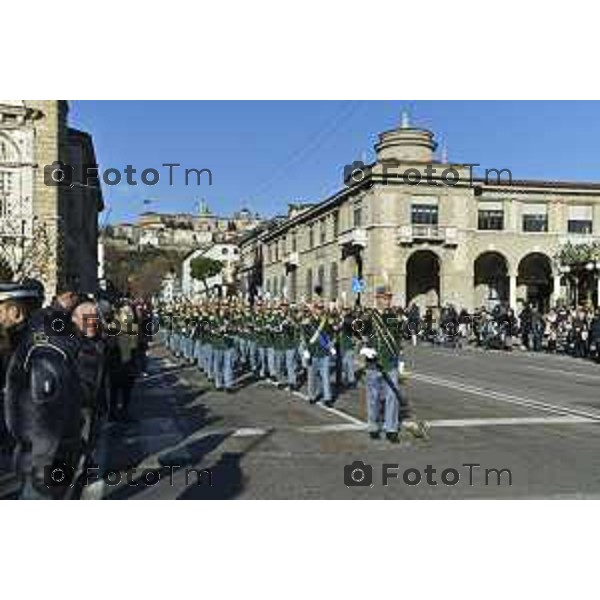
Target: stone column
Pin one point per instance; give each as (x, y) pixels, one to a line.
(556, 290)
(512, 291)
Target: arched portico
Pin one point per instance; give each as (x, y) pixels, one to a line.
(491, 279)
(423, 278)
(534, 280)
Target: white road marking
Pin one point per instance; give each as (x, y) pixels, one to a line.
(248, 432)
(574, 373)
(508, 398)
(335, 411)
(332, 427)
(509, 421)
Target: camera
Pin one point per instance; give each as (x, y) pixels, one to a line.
(58, 322)
(355, 173)
(58, 475)
(357, 474)
(58, 174)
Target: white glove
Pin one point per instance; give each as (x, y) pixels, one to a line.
(369, 353)
(332, 351)
(306, 355)
(401, 368)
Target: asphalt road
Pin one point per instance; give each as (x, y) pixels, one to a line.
(530, 422)
(536, 416)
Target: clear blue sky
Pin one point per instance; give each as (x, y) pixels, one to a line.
(264, 155)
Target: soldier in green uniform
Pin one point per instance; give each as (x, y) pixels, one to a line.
(318, 344)
(383, 351)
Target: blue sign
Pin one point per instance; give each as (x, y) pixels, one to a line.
(358, 285)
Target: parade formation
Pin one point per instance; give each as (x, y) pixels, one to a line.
(288, 344)
(70, 367)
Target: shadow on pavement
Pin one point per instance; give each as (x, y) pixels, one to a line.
(165, 412)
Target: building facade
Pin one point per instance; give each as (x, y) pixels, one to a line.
(46, 231)
(218, 285)
(432, 233)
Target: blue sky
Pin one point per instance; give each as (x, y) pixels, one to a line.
(265, 154)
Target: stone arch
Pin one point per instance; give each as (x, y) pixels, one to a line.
(491, 279)
(423, 274)
(9, 150)
(534, 280)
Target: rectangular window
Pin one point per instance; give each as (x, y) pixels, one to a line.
(535, 223)
(424, 214)
(294, 242)
(311, 237)
(580, 219)
(357, 216)
(323, 226)
(490, 216)
(490, 220)
(535, 218)
(336, 224)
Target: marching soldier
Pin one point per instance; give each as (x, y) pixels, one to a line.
(382, 351)
(318, 344)
(346, 340)
(290, 341)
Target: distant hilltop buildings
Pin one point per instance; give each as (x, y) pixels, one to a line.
(182, 230)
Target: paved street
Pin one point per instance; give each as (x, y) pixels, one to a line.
(536, 415)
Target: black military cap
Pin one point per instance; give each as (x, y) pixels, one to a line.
(30, 289)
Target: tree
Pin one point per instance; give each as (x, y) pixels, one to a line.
(203, 268)
(140, 272)
(570, 254)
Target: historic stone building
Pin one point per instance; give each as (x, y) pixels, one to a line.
(451, 238)
(46, 231)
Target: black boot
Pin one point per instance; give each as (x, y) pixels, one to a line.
(392, 436)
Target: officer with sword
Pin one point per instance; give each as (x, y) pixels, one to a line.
(382, 350)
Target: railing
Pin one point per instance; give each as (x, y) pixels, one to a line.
(11, 227)
(292, 259)
(427, 232)
(407, 234)
(354, 237)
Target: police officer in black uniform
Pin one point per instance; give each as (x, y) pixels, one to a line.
(42, 396)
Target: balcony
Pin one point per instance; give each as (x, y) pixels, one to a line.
(13, 228)
(292, 259)
(354, 237)
(408, 234)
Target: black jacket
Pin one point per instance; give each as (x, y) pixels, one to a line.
(43, 405)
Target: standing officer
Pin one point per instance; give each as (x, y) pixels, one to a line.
(42, 398)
